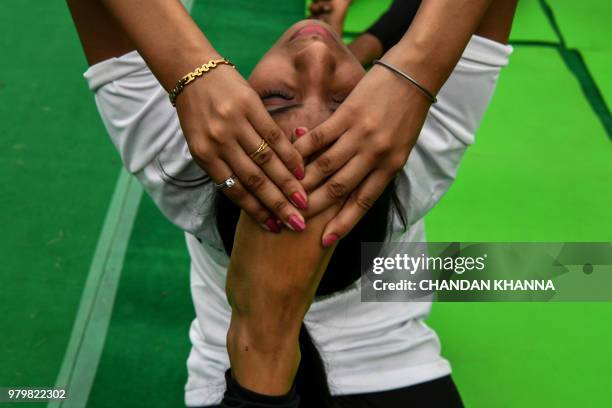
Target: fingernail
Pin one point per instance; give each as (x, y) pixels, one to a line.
(272, 226)
(299, 200)
(299, 173)
(300, 131)
(329, 240)
(296, 223)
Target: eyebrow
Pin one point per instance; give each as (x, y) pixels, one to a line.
(284, 109)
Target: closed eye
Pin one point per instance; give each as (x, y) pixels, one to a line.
(273, 94)
(283, 109)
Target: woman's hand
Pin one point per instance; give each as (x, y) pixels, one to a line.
(224, 121)
(365, 143)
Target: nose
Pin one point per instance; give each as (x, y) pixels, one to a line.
(316, 62)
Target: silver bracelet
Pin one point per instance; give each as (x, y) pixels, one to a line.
(431, 96)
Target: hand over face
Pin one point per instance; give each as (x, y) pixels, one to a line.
(224, 122)
(361, 147)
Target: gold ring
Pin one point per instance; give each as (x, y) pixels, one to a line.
(262, 146)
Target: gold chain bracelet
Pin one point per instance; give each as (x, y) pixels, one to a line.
(195, 74)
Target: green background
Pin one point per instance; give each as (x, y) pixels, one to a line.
(541, 170)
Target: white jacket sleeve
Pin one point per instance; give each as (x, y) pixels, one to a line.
(451, 127)
(145, 129)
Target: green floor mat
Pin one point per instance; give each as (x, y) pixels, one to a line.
(57, 173)
(530, 23)
(531, 355)
(144, 358)
(243, 30)
(584, 25)
(599, 64)
(536, 172)
(363, 13)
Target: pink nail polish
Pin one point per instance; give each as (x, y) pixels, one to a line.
(300, 131)
(299, 200)
(272, 225)
(297, 223)
(329, 240)
(299, 173)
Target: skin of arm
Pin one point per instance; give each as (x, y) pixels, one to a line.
(271, 282)
(436, 39)
(164, 34)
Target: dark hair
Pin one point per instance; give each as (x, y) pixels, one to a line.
(344, 268)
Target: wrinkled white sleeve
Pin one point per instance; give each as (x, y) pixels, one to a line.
(145, 129)
(451, 127)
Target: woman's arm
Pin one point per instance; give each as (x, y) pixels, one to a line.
(271, 282)
(222, 118)
(164, 34)
(382, 118)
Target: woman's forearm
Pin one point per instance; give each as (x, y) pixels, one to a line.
(436, 39)
(262, 341)
(164, 34)
(263, 344)
(271, 282)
